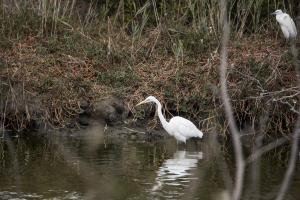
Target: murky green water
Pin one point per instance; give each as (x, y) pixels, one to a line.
(96, 165)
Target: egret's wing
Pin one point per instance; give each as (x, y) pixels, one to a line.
(184, 127)
(294, 26)
(289, 24)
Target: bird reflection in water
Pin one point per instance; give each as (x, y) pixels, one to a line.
(175, 174)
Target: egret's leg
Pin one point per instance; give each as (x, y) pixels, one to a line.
(287, 42)
(196, 144)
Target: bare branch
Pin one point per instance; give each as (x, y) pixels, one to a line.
(294, 149)
(240, 163)
(259, 152)
(292, 162)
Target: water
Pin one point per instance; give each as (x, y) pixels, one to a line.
(113, 165)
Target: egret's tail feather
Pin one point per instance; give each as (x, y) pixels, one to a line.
(200, 135)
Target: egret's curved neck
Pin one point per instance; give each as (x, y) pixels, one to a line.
(160, 115)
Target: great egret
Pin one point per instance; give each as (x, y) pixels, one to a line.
(286, 23)
(179, 127)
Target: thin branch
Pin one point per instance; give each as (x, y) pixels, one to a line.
(294, 149)
(292, 163)
(240, 163)
(272, 145)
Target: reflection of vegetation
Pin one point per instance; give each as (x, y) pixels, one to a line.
(117, 163)
(60, 54)
(39, 163)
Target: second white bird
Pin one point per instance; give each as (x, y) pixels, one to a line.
(287, 24)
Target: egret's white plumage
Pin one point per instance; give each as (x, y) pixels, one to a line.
(179, 127)
(286, 23)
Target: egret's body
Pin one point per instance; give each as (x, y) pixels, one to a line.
(287, 24)
(179, 127)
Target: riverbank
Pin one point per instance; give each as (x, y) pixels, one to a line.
(52, 74)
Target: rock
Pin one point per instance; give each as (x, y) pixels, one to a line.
(84, 106)
(111, 109)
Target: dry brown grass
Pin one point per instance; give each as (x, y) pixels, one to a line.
(53, 74)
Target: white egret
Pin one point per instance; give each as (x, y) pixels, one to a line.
(287, 24)
(179, 127)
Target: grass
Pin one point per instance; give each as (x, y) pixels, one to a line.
(55, 58)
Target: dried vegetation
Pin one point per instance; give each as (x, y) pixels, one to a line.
(56, 54)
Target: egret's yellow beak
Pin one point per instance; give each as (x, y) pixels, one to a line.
(142, 102)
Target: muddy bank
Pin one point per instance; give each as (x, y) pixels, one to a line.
(110, 111)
